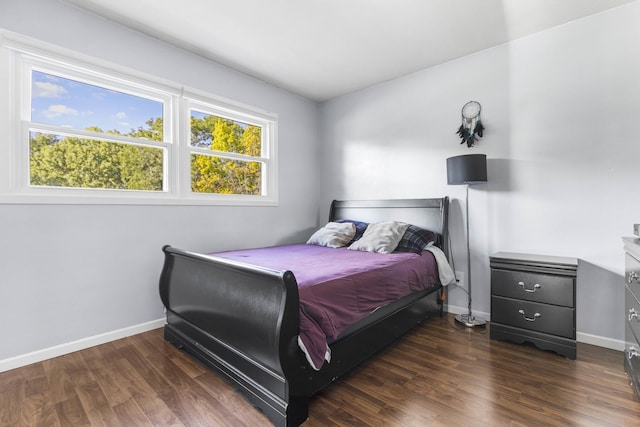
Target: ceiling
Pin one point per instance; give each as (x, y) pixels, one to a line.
(321, 49)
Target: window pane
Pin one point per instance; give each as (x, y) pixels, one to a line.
(230, 136)
(210, 174)
(60, 101)
(65, 161)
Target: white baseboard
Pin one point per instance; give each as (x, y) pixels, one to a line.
(600, 341)
(66, 348)
(580, 336)
(464, 310)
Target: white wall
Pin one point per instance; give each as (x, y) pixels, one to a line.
(71, 272)
(562, 143)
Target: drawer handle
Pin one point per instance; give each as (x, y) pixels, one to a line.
(633, 276)
(632, 353)
(529, 319)
(535, 287)
(633, 314)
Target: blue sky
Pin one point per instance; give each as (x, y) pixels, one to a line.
(59, 101)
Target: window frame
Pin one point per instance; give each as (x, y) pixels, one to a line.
(193, 102)
(178, 102)
(28, 64)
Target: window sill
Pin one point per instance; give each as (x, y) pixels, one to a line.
(166, 200)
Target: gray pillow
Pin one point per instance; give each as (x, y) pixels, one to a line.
(380, 237)
(333, 235)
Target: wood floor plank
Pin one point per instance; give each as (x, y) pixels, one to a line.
(437, 375)
(11, 399)
(130, 414)
(38, 406)
(45, 417)
(96, 406)
(231, 399)
(144, 389)
(103, 373)
(182, 394)
(22, 396)
(64, 373)
(71, 413)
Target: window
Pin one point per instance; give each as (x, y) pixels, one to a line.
(91, 134)
(88, 136)
(226, 152)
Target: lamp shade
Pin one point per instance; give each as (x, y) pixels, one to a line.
(467, 169)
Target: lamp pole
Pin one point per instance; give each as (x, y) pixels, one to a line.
(468, 319)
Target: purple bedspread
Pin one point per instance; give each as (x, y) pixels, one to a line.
(338, 287)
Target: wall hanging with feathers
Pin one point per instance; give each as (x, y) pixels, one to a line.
(471, 128)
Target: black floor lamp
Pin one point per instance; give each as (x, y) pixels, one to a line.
(468, 170)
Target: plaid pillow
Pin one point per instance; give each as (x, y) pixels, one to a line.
(415, 239)
(360, 228)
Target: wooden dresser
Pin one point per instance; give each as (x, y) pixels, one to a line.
(632, 311)
(533, 299)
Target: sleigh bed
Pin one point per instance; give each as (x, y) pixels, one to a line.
(244, 320)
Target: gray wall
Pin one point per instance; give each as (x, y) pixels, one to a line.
(68, 272)
(560, 110)
(560, 121)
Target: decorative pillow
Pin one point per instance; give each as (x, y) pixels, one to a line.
(333, 235)
(381, 237)
(360, 228)
(415, 239)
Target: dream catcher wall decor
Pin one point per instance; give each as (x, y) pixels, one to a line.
(471, 128)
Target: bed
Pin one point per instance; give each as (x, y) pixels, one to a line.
(243, 320)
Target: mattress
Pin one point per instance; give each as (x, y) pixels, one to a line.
(338, 287)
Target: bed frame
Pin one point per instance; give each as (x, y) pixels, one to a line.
(243, 320)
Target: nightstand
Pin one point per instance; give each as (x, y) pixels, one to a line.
(533, 299)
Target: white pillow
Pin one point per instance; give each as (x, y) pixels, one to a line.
(333, 235)
(381, 237)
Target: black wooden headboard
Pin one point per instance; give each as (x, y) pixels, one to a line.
(431, 214)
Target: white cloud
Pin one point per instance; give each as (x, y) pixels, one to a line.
(98, 96)
(57, 110)
(47, 90)
(120, 115)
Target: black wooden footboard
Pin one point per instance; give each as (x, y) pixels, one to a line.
(239, 319)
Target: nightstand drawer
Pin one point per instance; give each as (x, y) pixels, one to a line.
(545, 288)
(549, 319)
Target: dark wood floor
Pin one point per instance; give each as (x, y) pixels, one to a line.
(438, 375)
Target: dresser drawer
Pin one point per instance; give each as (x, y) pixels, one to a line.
(534, 316)
(632, 275)
(632, 318)
(537, 287)
(632, 368)
(632, 351)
